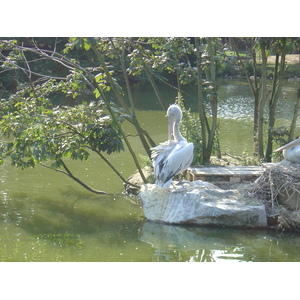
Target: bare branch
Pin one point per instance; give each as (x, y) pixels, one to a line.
(68, 173)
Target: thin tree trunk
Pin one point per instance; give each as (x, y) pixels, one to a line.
(154, 86)
(254, 89)
(213, 99)
(272, 109)
(121, 131)
(277, 84)
(295, 116)
(255, 93)
(202, 116)
(134, 118)
(112, 83)
(112, 167)
(262, 101)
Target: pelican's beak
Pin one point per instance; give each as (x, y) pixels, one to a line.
(293, 143)
(170, 129)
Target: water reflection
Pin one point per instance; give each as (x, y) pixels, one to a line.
(200, 244)
(111, 228)
(235, 99)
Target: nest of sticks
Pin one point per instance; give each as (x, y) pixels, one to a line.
(279, 189)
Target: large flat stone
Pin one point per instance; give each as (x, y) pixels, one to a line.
(201, 203)
(231, 174)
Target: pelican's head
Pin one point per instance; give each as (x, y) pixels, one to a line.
(174, 111)
(175, 114)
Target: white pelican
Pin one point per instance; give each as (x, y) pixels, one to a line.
(291, 151)
(174, 156)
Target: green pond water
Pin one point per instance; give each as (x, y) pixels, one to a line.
(45, 216)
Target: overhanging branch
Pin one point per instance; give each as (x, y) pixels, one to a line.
(68, 173)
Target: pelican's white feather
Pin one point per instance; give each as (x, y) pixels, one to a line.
(174, 156)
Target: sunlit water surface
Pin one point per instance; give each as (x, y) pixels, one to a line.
(45, 216)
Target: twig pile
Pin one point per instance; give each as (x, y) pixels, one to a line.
(276, 183)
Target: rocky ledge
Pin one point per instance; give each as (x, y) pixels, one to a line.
(201, 203)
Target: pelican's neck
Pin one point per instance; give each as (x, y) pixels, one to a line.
(177, 135)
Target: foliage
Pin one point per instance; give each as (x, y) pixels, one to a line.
(190, 128)
(280, 135)
(36, 133)
(79, 78)
(248, 160)
(33, 70)
(163, 54)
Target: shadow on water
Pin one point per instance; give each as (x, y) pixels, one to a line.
(81, 215)
(74, 226)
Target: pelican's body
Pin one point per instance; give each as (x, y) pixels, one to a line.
(174, 156)
(291, 151)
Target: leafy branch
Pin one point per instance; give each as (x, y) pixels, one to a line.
(77, 72)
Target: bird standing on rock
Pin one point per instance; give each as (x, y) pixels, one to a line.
(173, 156)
